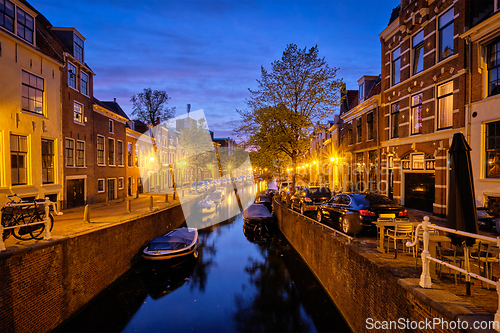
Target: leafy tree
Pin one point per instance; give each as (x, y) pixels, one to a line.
(300, 89)
(151, 105)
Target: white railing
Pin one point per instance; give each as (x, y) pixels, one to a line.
(425, 278)
(47, 203)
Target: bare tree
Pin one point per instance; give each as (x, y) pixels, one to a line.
(150, 106)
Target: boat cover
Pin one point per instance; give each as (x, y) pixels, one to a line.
(175, 240)
(256, 211)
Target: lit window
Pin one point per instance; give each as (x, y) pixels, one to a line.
(80, 154)
(350, 137)
(359, 130)
(78, 113)
(70, 152)
(24, 25)
(7, 15)
(120, 183)
(111, 151)
(18, 156)
(418, 52)
(129, 154)
(369, 126)
(100, 185)
(136, 157)
(395, 120)
(396, 66)
(47, 161)
(494, 68)
(71, 76)
(446, 31)
(78, 48)
(84, 83)
(100, 150)
(445, 105)
(32, 90)
(416, 114)
(493, 150)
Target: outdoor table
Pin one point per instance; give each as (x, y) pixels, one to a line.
(381, 228)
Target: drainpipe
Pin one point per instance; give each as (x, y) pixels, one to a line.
(469, 101)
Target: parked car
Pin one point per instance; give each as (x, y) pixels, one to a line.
(484, 219)
(353, 212)
(309, 199)
(197, 187)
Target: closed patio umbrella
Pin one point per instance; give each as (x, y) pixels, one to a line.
(461, 198)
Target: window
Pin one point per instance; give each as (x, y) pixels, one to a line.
(359, 130)
(111, 151)
(100, 185)
(418, 52)
(111, 126)
(129, 154)
(362, 91)
(119, 152)
(350, 137)
(47, 161)
(396, 66)
(446, 31)
(70, 152)
(369, 126)
(120, 183)
(395, 120)
(136, 157)
(100, 150)
(372, 173)
(18, 159)
(7, 15)
(445, 105)
(80, 154)
(25, 25)
(494, 67)
(78, 113)
(493, 150)
(416, 114)
(84, 83)
(71, 75)
(78, 48)
(143, 157)
(32, 90)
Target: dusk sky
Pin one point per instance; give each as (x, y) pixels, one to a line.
(208, 53)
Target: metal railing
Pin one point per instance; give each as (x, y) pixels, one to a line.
(425, 277)
(47, 203)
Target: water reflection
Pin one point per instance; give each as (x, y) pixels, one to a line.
(239, 283)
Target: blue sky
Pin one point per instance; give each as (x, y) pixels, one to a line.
(208, 53)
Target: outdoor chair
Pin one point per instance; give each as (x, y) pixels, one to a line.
(401, 232)
(455, 256)
(485, 258)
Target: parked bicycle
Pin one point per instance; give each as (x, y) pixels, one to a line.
(26, 217)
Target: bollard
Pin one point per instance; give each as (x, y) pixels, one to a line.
(425, 278)
(151, 203)
(86, 214)
(128, 205)
(166, 197)
(47, 234)
(174, 196)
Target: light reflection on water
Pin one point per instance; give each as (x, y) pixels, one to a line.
(237, 284)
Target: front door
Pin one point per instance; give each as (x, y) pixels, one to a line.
(419, 191)
(111, 189)
(129, 186)
(140, 188)
(75, 193)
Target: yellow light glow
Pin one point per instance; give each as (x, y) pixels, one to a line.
(314, 162)
(184, 163)
(152, 159)
(332, 159)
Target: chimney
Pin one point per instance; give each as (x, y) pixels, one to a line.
(188, 108)
(115, 99)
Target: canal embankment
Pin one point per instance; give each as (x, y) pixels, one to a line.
(44, 283)
(370, 290)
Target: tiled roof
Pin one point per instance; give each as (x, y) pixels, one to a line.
(112, 106)
(352, 98)
(394, 14)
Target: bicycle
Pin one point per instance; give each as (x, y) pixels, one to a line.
(18, 212)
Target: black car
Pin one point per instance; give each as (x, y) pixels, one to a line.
(353, 212)
(308, 199)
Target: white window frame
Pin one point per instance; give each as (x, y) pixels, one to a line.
(103, 150)
(420, 45)
(82, 113)
(438, 34)
(114, 151)
(120, 160)
(111, 126)
(130, 145)
(75, 74)
(82, 73)
(392, 66)
(65, 154)
(438, 98)
(122, 181)
(84, 155)
(103, 185)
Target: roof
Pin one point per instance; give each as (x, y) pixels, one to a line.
(111, 106)
(351, 98)
(376, 89)
(394, 14)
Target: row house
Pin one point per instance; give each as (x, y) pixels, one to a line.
(482, 42)
(358, 130)
(319, 155)
(422, 100)
(30, 130)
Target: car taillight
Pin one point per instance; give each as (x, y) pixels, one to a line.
(307, 200)
(366, 213)
(403, 213)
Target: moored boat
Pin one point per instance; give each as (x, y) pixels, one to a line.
(257, 217)
(178, 243)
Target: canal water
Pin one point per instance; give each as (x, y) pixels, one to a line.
(238, 283)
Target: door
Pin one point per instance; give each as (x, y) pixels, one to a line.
(140, 188)
(111, 189)
(129, 188)
(75, 193)
(419, 191)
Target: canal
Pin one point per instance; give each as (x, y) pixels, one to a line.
(238, 283)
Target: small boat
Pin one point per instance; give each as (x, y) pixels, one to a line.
(257, 217)
(207, 206)
(177, 243)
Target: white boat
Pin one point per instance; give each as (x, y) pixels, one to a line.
(177, 243)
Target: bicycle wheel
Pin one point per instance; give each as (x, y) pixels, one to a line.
(23, 232)
(36, 231)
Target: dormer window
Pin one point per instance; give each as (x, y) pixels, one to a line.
(78, 48)
(25, 25)
(362, 91)
(7, 15)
